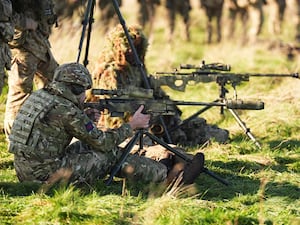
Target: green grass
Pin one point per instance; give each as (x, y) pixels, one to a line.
(264, 183)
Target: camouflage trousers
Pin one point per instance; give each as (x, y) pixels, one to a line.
(81, 164)
(5, 58)
(26, 70)
(256, 19)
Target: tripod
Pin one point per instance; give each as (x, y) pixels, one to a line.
(87, 21)
(222, 96)
(139, 135)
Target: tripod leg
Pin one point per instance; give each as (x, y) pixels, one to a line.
(89, 8)
(125, 154)
(243, 126)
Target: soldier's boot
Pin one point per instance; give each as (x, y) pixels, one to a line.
(193, 169)
(189, 171)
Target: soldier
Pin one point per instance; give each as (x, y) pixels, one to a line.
(238, 8)
(32, 56)
(147, 10)
(276, 10)
(6, 35)
(298, 22)
(66, 8)
(48, 120)
(116, 68)
(256, 18)
(108, 14)
(213, 9)
(182, 8)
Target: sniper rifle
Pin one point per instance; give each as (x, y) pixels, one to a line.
(205, 73)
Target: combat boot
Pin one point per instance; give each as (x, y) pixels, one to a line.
(193, 169)
(187, 172)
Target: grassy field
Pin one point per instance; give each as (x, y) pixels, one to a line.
(264, 183)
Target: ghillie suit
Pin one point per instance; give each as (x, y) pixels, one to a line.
(117, 69)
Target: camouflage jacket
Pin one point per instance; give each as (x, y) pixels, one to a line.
(41, 11)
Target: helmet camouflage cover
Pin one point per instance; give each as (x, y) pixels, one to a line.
(73, 73)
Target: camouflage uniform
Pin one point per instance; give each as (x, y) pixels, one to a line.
(213, 9)
(6, 35)
(238, 8)
(117, 69)
(147, 9)
(298, 21)
(108, 13)
(183, 8)
(276, 13)
(49, 119)
(32, 57)
(256, 18)
(66, 8)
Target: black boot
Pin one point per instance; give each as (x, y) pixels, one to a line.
(193, 169)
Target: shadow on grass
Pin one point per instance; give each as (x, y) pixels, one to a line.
(240, 182)
(19, 189)
(290, 145)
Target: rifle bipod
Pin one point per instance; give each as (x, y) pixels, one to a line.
(242, 124)
(139, 135)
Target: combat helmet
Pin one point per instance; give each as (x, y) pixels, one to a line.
(74, 74)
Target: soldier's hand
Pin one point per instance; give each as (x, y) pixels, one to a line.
(93, 114)
(139, 120)
(30, 24)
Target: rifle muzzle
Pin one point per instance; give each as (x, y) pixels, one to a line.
(241, 104)
(157, 129)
